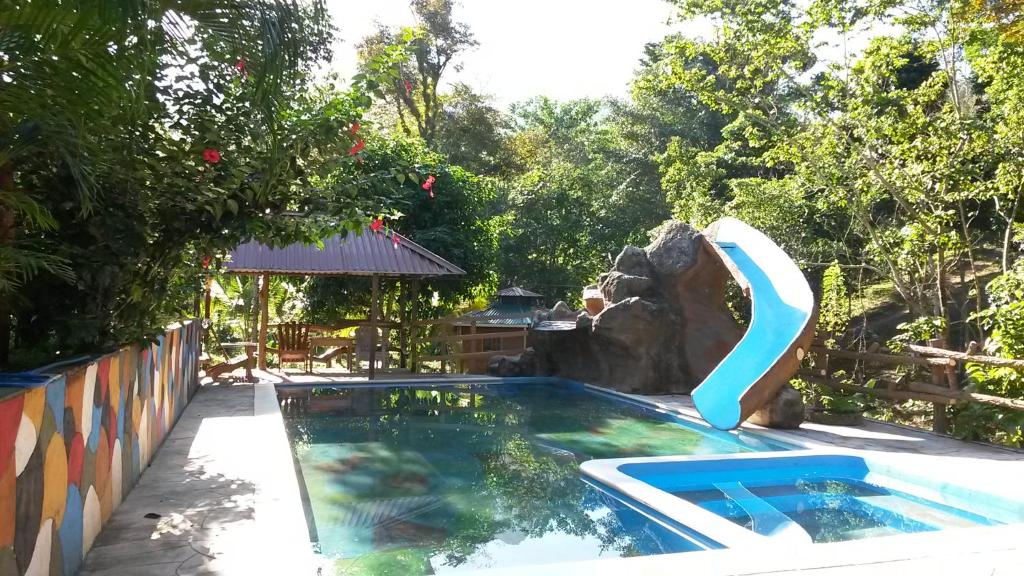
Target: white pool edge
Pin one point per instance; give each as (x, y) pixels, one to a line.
(278, 510)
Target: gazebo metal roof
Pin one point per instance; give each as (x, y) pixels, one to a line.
(518, 292)
(366, 254)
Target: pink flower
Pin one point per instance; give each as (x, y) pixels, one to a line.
(408, 87)
(356, 148)
(377, 224)
(428, 183)
(211, 155)
(355, 128)
(241, 69)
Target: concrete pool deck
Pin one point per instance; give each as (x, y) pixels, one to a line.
(227, 501)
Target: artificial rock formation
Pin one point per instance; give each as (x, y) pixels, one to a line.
(664, 327)
(785, 410)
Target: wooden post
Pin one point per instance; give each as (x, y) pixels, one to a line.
(264, 320)
(403, 324)
(374, 312)
(940, 420)
(207, 299)
(472, 346)
(414, 293)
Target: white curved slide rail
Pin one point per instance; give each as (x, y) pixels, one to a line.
(781, 325)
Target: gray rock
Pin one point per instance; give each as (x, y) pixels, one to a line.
(562, 311)
(674, 251)
(664, 327)
(786, 410)
(504, 366)
(629, 321)
(584, 321)
(634, 262)
(616, 287)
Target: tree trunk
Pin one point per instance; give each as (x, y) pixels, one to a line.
(978, 291)
(1008, 234)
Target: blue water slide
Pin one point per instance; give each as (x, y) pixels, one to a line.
(781, 325)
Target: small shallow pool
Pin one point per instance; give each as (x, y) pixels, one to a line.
(432, 479)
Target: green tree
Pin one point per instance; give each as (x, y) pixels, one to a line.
(414, 93)
(173, 142)
(577, 185)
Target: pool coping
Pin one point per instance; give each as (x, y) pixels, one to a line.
(995, 542)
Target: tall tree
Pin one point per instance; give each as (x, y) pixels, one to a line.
(415, 94)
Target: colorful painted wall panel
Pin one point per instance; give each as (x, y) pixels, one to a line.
(72, 449)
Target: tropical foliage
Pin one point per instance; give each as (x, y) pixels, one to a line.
(880, 143)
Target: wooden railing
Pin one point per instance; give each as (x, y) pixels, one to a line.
(943, 367)
(461, 345)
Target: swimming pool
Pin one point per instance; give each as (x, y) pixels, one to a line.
(797, 497)
(437, 478)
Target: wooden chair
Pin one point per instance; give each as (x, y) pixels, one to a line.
(293, 344)
(362, 346)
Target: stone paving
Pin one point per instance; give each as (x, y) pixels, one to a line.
(221, 498)
(210, 502)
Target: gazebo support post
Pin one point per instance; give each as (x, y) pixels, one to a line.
(403, 324)
(264, 319)
(374, 313)
(414, 293)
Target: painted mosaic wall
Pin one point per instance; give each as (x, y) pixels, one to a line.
(71, 450)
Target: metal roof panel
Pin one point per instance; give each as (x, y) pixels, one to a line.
(353, 254)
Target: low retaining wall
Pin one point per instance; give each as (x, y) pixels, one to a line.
(71, 449)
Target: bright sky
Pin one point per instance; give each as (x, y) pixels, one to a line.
(560, 48)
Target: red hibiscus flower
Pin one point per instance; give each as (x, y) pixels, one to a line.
(428, 183)
(408, 87)
(240, 67)
(377, 224)
(353, 129)
(211, 155)
(356, 148)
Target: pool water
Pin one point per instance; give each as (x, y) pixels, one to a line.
(438, 479)
(830, 509)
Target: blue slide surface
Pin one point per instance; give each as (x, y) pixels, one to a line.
(780, 328)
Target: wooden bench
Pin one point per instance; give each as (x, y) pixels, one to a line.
(336, 346)
(246, 360)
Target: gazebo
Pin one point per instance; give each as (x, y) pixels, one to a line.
(367, 253)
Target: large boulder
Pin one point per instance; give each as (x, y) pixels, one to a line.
(674, 251)
(616, 286)
(664, 327)
(634, 261)
(786, 410)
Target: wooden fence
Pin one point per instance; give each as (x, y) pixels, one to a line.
(466, 343)
(944, 368)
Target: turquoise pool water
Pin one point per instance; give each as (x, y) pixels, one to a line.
(437, 479)
(835, 509)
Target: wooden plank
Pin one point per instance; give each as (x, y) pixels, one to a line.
(964, 357)
(469, 355)
(880, 392)
(882, 358)
(967, 396)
